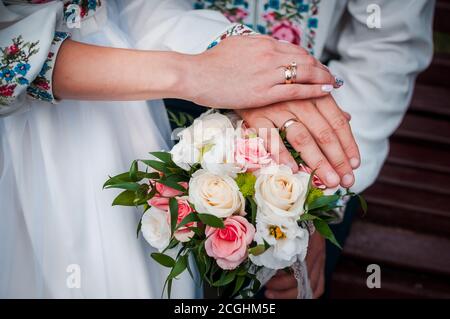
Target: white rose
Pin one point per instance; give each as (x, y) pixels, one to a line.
(185, 155)
(279, 191)
(156, 228)
(215, 194)
(206, 129)
(219, 159)
(288, 242)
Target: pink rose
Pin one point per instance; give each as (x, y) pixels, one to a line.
(161, 199)
(316, 181)
(159, 202)
(184, 234)
(286, 31)
(228, 246)
(251, 153)
(166, 191)
(269, 17)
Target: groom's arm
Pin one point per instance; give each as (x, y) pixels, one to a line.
(379, 67)
(170, 25)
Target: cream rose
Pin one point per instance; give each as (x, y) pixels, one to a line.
(278, 191)
(215, 194)
(156, 228)
(206, 129)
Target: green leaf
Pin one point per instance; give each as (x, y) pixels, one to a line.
(192, 217)
(128, 186)
(173, 182)
(226, 278)
(257, 250)
(363, 203)
(173, 206)
(323, 201)
(211, 220)
(163, 259)
(313, 194)
(166, 157)
(133, 171)
(157, 165)
(246, 183)
(126, 198)
(125, 178)
(179, 267)
(325, 230)
(253, 208)
(306, 217)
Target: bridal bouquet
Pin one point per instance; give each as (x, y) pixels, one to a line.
(219, 199)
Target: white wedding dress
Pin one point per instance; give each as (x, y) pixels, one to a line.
(59, 235)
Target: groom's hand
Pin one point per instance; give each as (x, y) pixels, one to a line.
(321, 134)
(284, 285)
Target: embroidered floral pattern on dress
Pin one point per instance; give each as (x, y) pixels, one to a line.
(235, 10)
(83, 8)
(41, 87)
(295, 21)
(238, 29)
(14, 66)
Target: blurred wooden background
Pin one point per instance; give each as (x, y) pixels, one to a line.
(407, 228)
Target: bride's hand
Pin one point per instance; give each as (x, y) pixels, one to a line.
(248, 71)
(320, 132)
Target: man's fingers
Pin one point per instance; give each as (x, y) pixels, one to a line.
(327, 140)
(303, 142)
(339, 122)
(282, 282)
(272, 140)
(282, 294)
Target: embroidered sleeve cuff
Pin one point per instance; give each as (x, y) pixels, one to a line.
(41, 87)
(236, 29)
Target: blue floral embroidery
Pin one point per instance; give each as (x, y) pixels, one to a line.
(238, 29)
(7, 75)
(22, 68)
(41, 87)
(14, 64)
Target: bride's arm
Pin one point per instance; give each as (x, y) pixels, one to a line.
(224, 76)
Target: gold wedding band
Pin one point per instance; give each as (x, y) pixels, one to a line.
(290, 73)
(288, 123)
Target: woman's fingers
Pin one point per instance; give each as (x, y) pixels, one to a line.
(290, 92)
(306, 74)
(339, 122)
(303, 142)
(327, 140)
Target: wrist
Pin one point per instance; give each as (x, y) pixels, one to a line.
(164, 75)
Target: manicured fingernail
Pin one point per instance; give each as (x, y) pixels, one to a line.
(332, 178)
(347, 180)
(327, 88)
(354, 162)
(339, 81)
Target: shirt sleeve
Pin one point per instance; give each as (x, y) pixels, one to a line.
(29, 45)
(173, 25)
(379, 67)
